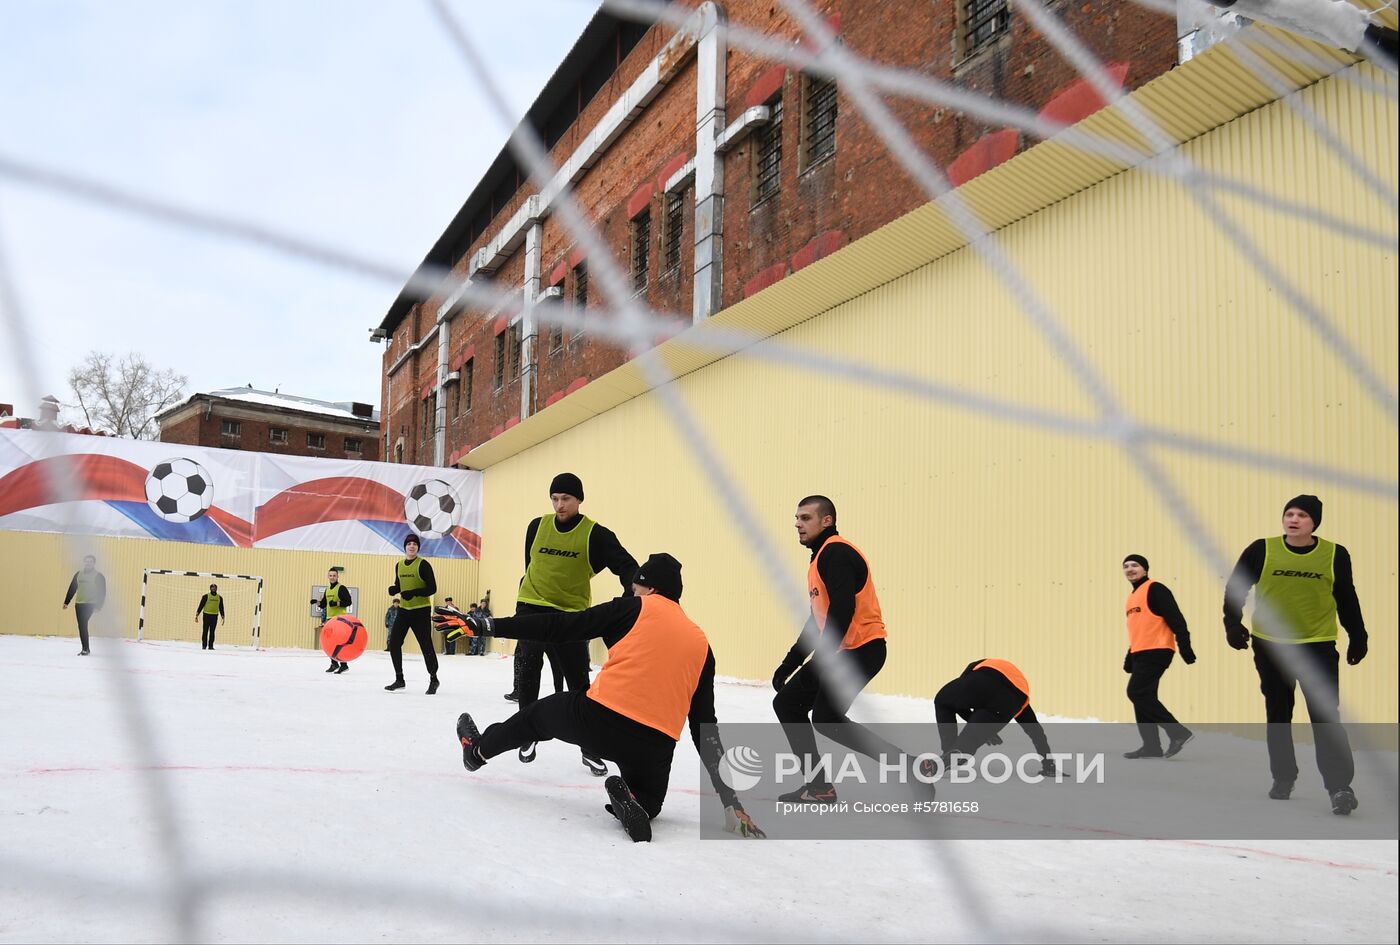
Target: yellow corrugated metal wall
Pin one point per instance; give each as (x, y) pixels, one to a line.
(997, 538)
(37, 567)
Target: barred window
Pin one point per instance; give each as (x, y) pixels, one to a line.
(468, 375)
(316, 441)
(515, 344)
(580, 296)
(232, 428)
(674, 225)
(499, 380)
(277, 435)
(982, 22)
(354, 445)
(768, 154)
(641, 249)
(818, 119)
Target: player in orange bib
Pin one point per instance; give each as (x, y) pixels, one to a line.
(844, 629)
(659, 675)
(1156, 630)
(989, 694)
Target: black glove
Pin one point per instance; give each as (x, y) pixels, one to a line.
(409, 595)
(993, 740)
(1356, 648)
(393, 590)
(315, 601)
(481, 623)
(1128, 662)
(784, 670)
(1188, 655)
(1237, 636)
(1047, 767)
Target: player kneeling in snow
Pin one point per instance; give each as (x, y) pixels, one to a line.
(659, 672)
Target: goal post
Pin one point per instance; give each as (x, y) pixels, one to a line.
(154, 605)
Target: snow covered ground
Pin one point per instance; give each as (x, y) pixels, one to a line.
(285, 804)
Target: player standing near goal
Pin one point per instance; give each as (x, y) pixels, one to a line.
(414, 585)
(1156, 632)
(562, 553)
(334, 602)
(660, 672)
(846, 617)
(87, 592)
(1303, 585)
(211, 609)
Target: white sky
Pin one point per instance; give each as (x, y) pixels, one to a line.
(354, 124)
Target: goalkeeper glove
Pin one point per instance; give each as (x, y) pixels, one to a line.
(737, 821)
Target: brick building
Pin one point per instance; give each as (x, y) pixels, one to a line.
(659, 131)
(241, 418)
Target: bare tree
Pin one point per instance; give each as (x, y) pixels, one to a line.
(122, 396)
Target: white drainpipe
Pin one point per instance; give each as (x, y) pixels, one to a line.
(711, 67)
(528, 332)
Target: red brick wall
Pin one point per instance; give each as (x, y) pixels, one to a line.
(855, 191)
(255, 435)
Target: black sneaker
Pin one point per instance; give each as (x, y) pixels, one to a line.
(1176, 744)
(1281, 790)
(334, 666)
(625, 808)
(82, 652)
(595, 765)
(343, 668)
(1343, 801)
(432, 685)
(527, 753)
(468, 735)
(1145, 752)
(512, 697)
(810, 794)
(396, 684)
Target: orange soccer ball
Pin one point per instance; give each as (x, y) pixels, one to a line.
(344, 637)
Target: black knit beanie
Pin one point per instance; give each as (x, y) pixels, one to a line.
(1139, 559)
(1310, 504)
(567, 483)
(661, 573)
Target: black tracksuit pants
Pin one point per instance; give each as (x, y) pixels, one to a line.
(420, 621)
(1147, 669)
(806, 694)
(985, 699)
(211, 622)
(83, 613)
(641, 753)
(568, 661)
(1279, 666)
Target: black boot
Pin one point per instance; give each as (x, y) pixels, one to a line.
(1144, 752)
(344, 667)
(1281, 790)
(625, 808)
(396, 684)
(468, 735)
(1175, 745)
(334, 666)
(432, 685)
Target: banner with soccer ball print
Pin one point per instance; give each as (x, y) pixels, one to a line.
(60, 482)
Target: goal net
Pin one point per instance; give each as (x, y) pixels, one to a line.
(170, 599)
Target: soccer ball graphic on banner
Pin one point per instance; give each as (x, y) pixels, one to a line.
(431, 508)
(179, 490)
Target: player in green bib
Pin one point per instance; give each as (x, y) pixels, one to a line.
(562, 553)
(87, 592)
(335, 601)
(211, 610)
(414, 585)
(1302, 586)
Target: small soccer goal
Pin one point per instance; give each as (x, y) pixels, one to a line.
(170, 601)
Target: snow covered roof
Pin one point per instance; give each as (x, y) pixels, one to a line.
(341, 409)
